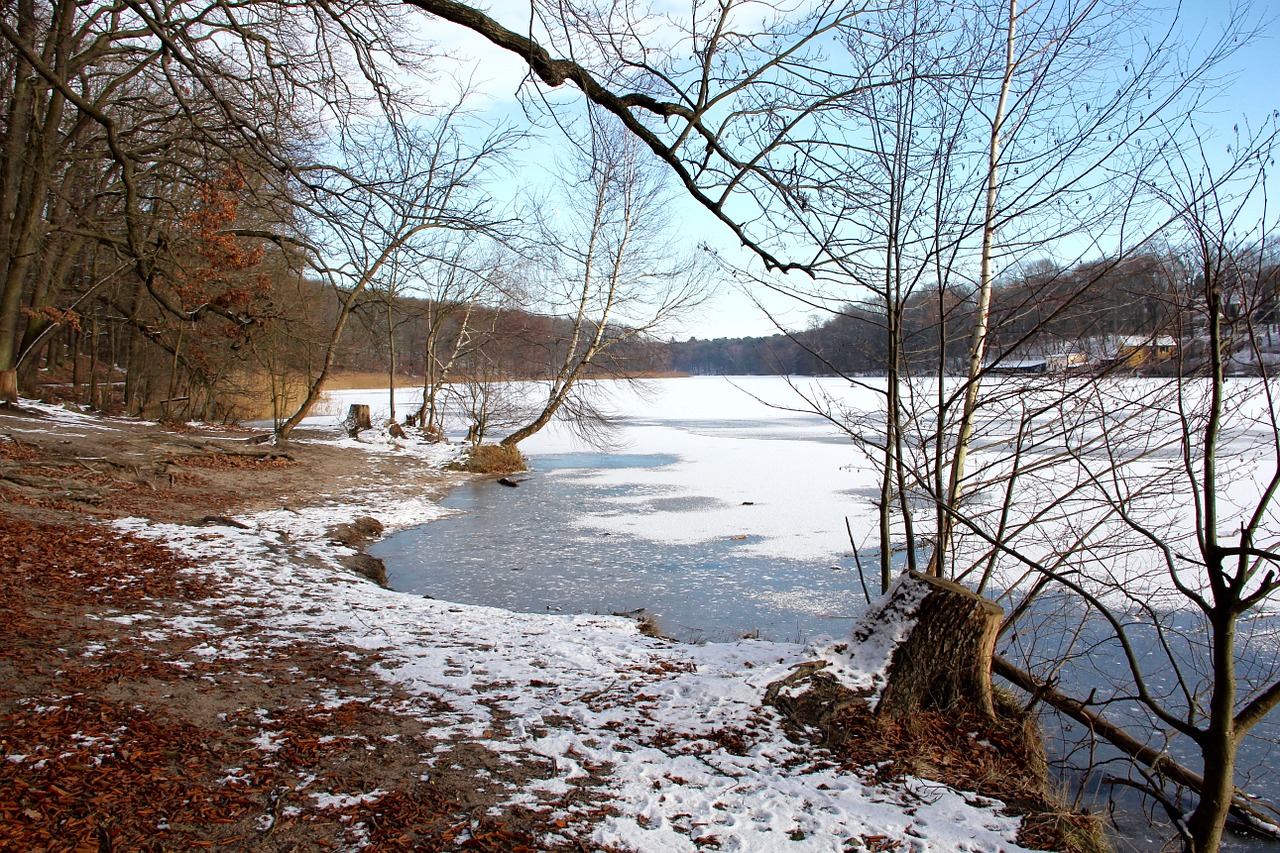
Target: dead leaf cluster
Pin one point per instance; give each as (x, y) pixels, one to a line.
(233, 461)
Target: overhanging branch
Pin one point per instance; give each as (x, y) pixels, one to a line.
(1161, 762)
(556, 72)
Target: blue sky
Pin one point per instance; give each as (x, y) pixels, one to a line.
(1252, 93)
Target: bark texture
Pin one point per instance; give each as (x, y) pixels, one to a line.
(945, 659)
(9, 386)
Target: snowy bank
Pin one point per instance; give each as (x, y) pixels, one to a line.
(672, 738)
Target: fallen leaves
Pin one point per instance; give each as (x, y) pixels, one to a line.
(90, 565)
(95, 774)
(234, 461)
(83, 622)
(14, 450)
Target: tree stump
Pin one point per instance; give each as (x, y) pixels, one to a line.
(945, 659)
(926, 645)
(357, 419)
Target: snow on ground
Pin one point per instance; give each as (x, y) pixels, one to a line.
(68, 418)
(674, 735)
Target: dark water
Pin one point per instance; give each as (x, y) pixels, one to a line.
(518, 549)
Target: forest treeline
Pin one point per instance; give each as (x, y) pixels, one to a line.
(95, 358)
(1088, 310)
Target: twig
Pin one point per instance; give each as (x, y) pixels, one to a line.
(587, 697)
(857, 558)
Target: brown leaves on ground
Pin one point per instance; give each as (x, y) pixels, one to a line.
(13, 450)
(115, 738)
(91, 565)
(235, 461)
(1003, 760)
(82, 772)
(53, 577)
(98, 775)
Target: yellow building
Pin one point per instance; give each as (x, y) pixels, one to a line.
(1138, 351)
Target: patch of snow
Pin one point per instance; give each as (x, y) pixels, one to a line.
(345, 801)
(68, 414)
(268, 741)
(126, 619)
(862, 665)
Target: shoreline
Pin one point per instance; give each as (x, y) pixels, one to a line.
(332, 709)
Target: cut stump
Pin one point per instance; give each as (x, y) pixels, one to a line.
(357, 419)
(934, 641)
(945, 659)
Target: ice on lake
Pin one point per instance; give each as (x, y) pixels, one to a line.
(719, 510)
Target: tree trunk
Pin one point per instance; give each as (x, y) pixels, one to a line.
(391, 363)
(357, 419)
(935, 640)
(76, 342)
(9, 386)
(93, 362)
(1161, 762)
(532, 427)
(945, 658)
(1219, 743)
(982, 316)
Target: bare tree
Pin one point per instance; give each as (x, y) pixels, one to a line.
(489, 400)
(379, 211)
(612, 274)
(114, 114)
(455, 285)
(1216, 547)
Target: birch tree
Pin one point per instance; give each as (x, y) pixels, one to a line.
(612, 273)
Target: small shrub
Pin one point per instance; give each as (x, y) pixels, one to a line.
(491, 459)
(432, 434)
(649, 627)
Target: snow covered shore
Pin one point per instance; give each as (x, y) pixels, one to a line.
(646, 744)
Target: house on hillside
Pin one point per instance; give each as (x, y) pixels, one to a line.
(1067, 360)
(1144, 351)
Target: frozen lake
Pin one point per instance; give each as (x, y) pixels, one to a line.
(722, 511)
(717, 514)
